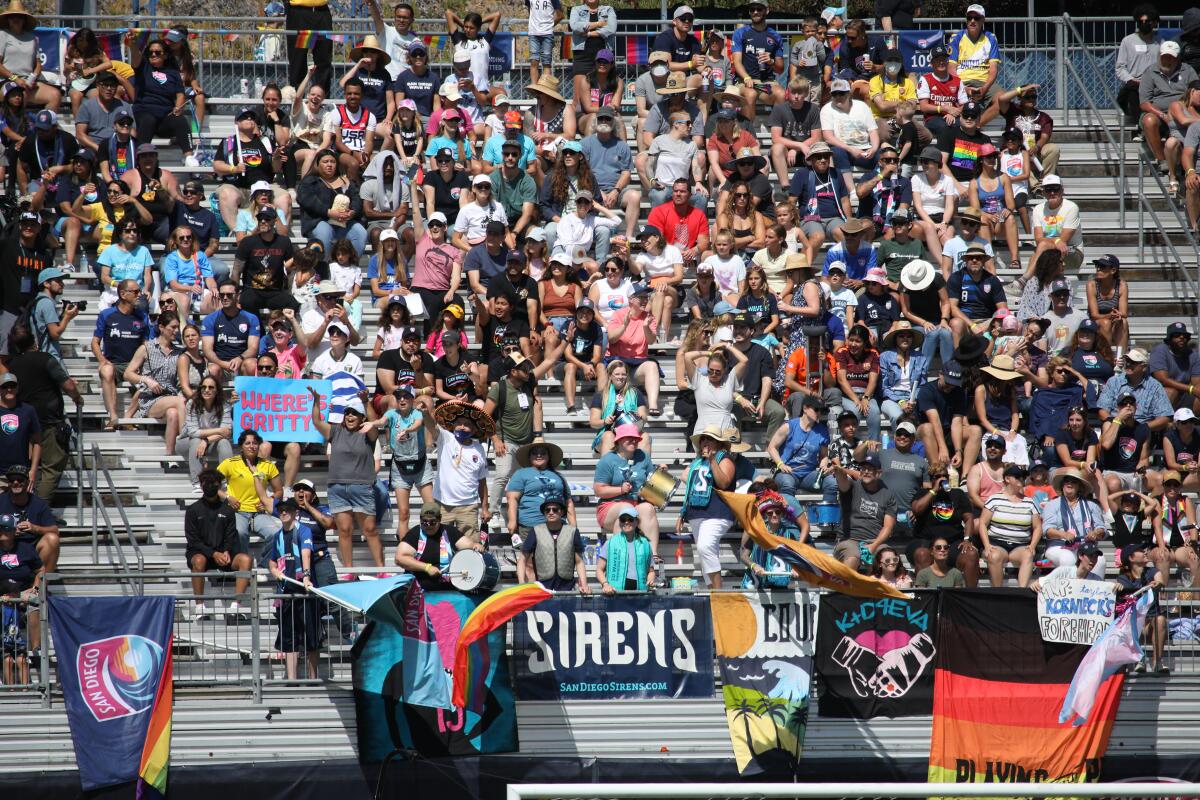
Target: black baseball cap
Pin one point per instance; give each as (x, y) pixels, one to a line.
(496, 228)
(871, 460)
(1014, 471)
(972, 111)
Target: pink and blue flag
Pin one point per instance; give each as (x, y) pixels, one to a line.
(1116, 647)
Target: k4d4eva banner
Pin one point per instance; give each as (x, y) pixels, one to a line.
(614, 648)
(388, 719)
(998, 689)
(765, 652)
(875, 657)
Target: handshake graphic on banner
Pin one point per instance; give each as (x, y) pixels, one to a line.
(891, 675)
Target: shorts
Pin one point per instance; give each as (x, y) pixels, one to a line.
(665, 280)
(1020, 199)
(243, 195)
(1130, 481)
(847, 548)
(634, 363)
(13, 626)
(605, 511)
(826, 225)
(560, 324)
(541, 49)
(1007, 546)
(88, 227)
(401, 480)
(120, 370)
(356, 497)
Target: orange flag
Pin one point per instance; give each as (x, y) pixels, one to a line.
(814, 567)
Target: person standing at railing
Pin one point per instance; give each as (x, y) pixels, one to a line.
(1137, 53)
(396, 38)
(975, 53)
(19, 581)
(309, 15)
(593, 28)
(544, 16)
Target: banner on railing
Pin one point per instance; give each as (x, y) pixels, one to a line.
(607, 648)
(1075, 611)
(278, 409)
(875, 656)
(387, 723)
(114, 669)
(500, 54)
(915, 46)
(764, 646)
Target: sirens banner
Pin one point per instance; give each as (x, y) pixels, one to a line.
(114, 668)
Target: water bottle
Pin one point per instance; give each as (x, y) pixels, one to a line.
(84, 264)
(660, 573)
(244, 87)
(679, 554)
(589, 555)
(516, 541)
(885, 439)
(704, 84)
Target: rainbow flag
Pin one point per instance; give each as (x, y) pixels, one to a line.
(156, 755)
(110, 43)
(814, 567)
(306, 39)
(141, 37)
(487, 617)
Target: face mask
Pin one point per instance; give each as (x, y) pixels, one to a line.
(91, 197)
(463, 437)
(659, 71)
(1146, 27)
(891, 69)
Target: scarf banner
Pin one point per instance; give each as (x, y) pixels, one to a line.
(875, 657)
(614, 648)
(386, 688)
(998, 688)
(114, 669)
(765, 652)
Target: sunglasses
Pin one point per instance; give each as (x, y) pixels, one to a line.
(552, 510)
(114, 192)
(155, 53)
(941, 547)
(888, 160)
(265, 368)
(686, 19)
(226, 294)
(183, 238)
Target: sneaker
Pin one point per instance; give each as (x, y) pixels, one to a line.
(496, 522)
(70, 268)
(235, 612)
(196, 487)
(191, 161)
(201, 612)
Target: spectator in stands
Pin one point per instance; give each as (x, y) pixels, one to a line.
(513, 401)
(758, 51)
(683, 47)
(613, 566)
(857, 59)
(42, 383)
(23, 258)
(593, 28)
(670, 158)
(615, 404)
(1181, 447)
(723, 146)
(512, 133)
(120, 330)
(631, 331)
(117, 153)
(748, 169)
(127, 259)
(230, 335)
(22, 432)
(159, 97)
(349, 131)
(289, 554)
(210, 530)
(706, 512)
(925, 303)
(44, 159)
(961, 144)
(156, 190)
(661, 265)
(902, 370)
(323, 215)
(154, 369)
(975, 53)
(1161, 85)
(369, 65)
(437, 272)
(1175, 364)
(36, 524)
(935, 196)
(800, 452)
(1136, 574)
(942, 414)
(604, 90)
(858, 377)
(611, 161)
(810, 59)
(1063, 320)
(990, 191)
(882, 193)
(850, 131)
(23, 573)
(426, 549)
(795, 128)
(203, 222)
(939, 93)
(187, 275)
(18, 44)
(716, 379)
(461, 487)
(1152, 404)
(757, 377)
(618, 482)
(259, 263)
(1073, 520)
(819, 191)
(307, 118)
(1010, 527)
(871, 513)
(81, 175)
(253, 488)
(242, 161)
(397, 38)
(1137, 53)
(1125, 445)
(535, 484)
(975, 294)
(207, 426)
(886, 91)
(411, 467)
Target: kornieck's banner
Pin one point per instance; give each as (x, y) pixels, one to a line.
(386, 721)
(1075, 611)
(279, 409)
(997, 691)
(875, 656)
(765, 652)
(114, 669)
(596, 647)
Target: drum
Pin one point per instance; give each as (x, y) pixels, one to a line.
(659, 488)
(825, 515)
(474, 572)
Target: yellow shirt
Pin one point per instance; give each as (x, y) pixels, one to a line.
(241, 480)
(308, 3)
(892, 92)
(122, 70)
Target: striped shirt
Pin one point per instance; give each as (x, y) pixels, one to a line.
(1012, 520)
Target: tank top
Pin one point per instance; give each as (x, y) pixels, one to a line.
(353, 131)
(988, 485)
(1012, 165)
(1131, 529)
(612, 300)
(999, 412)
(559, 306)
(990, 201)
(1106, 305)
(552, 124)
(1174, 518)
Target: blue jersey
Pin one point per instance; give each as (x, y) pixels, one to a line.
(120, 334)
(230, 334)
(977, 299)
(750, 43)
(856, 263)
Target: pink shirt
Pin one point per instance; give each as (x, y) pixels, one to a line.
(291, 362)
(632, 343)
(435, 264)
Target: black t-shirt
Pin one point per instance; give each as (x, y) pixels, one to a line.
(41, 376)
(761, 308)
(584, 340)
(113, 150)
(20, 564)
(847, 56)
(432, 553)
(759, 364)
(255, 154)
(1188, 453)
(680, 49)
(446, 194)
(263, 262)
(19, 268)
(878, 312)
(396, 361)
(454, 378)
(1124, 454)
(1075, 447)
(38, 156)
(944, 516)
(202, 222)
(419, 88)
(495, 332)
(761, 189)
(376, 85)
(963, 149)
(926, 303)
(524, 288)
(948, 405)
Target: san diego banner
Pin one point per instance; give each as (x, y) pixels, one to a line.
(875, 657)
(998, 688)
(387, 722)
(114, 669)
(636, 647)
(765, 651)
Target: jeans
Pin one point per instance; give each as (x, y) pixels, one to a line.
(851, 404)
(263, 525)
(213, 454)
(892, 410)
(844, 160)
(941, 341)
(220, 269)
(541, 49)
(792, 484)
(663, 195)
(328, 234)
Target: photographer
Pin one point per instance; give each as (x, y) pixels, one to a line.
(47, 322)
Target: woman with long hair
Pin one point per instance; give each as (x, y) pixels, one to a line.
(759, 300)
(127, 259)
(192, 363)
(207, 426)
(1136, 574)
(277, 125)
(1092, 357)
(1035, 296)
(695, 338)
(739, 216)
(890, 569)
(620, 403)
(941, 574)
(179, 56)
(935, 198)
(559, 292)
(805, 307)
(604, 88)
(858, 377)
(1178, 526)
(763, 569)
(393, 319)
(84, 60)
(154, 368)
(454, 135)
(106, 210)
(1108, 301)
(995, 399)
(991, 192)
(716, 379)
(320, 218)
(569, 176)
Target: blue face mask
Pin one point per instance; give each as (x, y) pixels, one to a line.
(463, 437)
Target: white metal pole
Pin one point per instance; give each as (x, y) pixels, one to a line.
(634, 791)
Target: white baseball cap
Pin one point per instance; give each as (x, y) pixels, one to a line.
(387, 234)
(1184, 414)
(438, 216)
(679, 12)
(975, 8)
(1169, 49)
(260, 186)
(481, 178)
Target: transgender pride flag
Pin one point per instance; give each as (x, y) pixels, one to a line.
(1115, 648)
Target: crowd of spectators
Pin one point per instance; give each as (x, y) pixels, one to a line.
(833, 295)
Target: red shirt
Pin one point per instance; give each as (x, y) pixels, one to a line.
(683, 232)
(632, 343)
(939, 91)
(858, 371)
(726, 150)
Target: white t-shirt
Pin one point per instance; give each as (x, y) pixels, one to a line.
(661, 265)
(325, 365)
(609, 300)
(473, 219)
(574, 232)
(842, 299)
(460, 468)
(345, 277)
(954, 249)
(396, 47)
(541, 16)
(479, 49)
(310, 320)
(728, 273)
(852, 127)
(933, 198)
(1053, 221)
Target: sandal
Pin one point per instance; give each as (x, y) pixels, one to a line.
(110, 426)
(1172, 187)
(656, 412)
(1015, 264)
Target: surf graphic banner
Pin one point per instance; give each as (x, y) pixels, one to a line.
(997, 691)
(384, 684)
(114, 668)
(1075, 611)
(614, 648)
(764, 648)
(875, 657)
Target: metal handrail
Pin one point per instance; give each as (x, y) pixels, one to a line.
(99, 509)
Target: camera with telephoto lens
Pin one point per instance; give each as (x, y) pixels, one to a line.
(79, 305)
